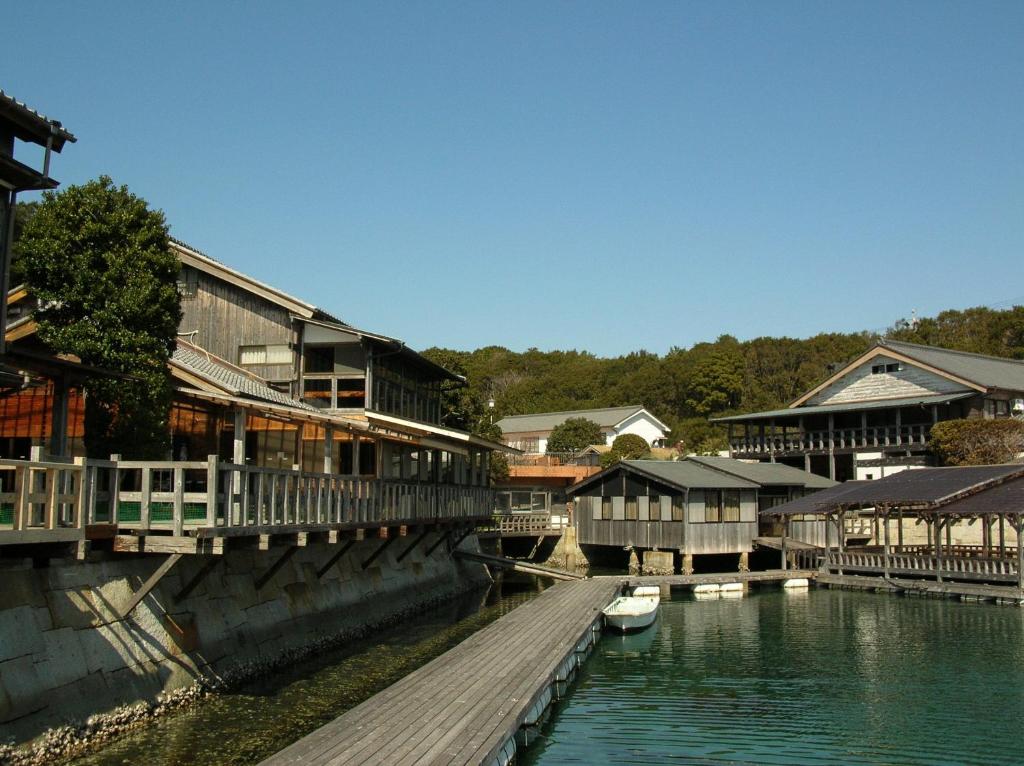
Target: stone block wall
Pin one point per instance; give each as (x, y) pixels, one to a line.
(65, 655)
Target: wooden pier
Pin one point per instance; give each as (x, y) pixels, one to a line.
(681, 581)
(466, 706)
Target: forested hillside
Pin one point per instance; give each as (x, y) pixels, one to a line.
(687, 385)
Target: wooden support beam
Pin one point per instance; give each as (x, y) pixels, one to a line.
(334, 559)
(208, 566)
(376, 553)
(264, 578)
(148, 586)
(458, 542)
(413, 545)
(438, 542)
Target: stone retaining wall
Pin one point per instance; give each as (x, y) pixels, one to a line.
(64, 655)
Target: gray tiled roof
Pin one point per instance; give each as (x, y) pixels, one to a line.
(681, 474)
(236, 382)
(988, 371)
(765, 474)
(545, 421)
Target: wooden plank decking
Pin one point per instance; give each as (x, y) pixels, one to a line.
(771, 575)
(464, 706)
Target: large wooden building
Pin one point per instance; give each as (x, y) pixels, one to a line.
(696, 506)
(874, 416)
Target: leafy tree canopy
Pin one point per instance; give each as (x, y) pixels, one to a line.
(631, 446)
(977, 442)
(573, 435)
(99, 261)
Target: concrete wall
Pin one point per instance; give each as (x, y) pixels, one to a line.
(64, 656)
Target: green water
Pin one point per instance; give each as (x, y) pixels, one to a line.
(247, 725)
(819, 677)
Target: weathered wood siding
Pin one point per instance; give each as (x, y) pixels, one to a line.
(226, 317)
(812, 532)
(861, 384)
(691, 536)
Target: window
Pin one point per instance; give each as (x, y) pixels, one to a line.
(878, 369)
(631, 508)
(319, 359)
(731, 505)
(712, 506)
(274, 354)
(606, 508)
(678, 508)
(655, 501)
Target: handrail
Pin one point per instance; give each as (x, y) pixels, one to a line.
(946, 566)
(838, 438)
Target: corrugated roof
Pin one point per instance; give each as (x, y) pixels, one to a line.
(765, 474)
(606, 417)
(32, 126)
(227, 377)
(988, 371)
(822, 409)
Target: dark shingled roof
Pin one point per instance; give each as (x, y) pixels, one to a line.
(765, 474)
(921, 489)
(679, 474)
(1007, 497)
(816, 502)
(988, 371)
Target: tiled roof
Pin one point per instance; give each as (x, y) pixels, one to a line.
(226, 376)
(33, 126)
(546, 421)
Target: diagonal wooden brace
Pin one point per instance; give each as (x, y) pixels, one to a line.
(273, 569)
(376, 553)
(334, 559)
(151, 583)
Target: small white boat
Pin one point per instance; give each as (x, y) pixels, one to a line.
(635, 612)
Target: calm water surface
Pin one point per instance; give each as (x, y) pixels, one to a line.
(256, 721)
(819, 677)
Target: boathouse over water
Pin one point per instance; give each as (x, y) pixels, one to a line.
(695, 507)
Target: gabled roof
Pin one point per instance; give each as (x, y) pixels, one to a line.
(606, 417)
(824, 409)
(30, 125)
(213, 373)
(676, 473)
(974, 371)
(765, 474)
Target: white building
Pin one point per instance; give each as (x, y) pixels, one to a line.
(530, 432)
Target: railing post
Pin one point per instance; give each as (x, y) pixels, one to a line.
(211, 490)
(82, 501)
(50, 507)
(147, 494)
(115, 488)
(179, 501)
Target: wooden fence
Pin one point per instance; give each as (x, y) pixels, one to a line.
(525, 524)
(923, 565)
(49, 501)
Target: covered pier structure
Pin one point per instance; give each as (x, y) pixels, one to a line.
(972, 518)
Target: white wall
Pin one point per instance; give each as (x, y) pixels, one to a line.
(642, 425)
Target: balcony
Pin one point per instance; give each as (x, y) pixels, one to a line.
(871, 438)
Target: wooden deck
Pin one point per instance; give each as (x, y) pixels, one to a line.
(963, 590)
(682, 581)
(467, 705)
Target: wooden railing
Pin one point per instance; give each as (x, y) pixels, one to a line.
(554, 459)
(878, 437)
(941, 567)
(526, 524)
(50, 497)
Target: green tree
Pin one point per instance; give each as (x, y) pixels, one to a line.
(631, 447)
(98, 260)
(573, 435)
(977, 442)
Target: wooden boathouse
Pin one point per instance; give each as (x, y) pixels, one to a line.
(693, 507)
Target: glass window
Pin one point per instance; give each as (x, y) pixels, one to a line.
(655, 501)
(731, 506)
(678, 508)
(317, 393)
(712, 506)
(503, 502)
(631, 508)
(540, 502)
(606, 508)
(521, 501)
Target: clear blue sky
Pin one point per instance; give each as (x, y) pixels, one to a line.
(585, 175)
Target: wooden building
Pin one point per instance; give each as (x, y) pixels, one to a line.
(874, 416)
(696, 506)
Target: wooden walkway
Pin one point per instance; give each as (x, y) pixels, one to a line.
(465, 706)
(516, 565)
(769, 576)
(946, 589)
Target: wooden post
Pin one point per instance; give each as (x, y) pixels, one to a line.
(1018, 527)
(1002, 535)
(937, 531)
(115, 487)
(885, 521)
(899, 530)
(82, 501)
(328, 449)
(179, 501)
(782, 544)
(831, 447)
(59, 422)
(771, 444)
(146, 499)
(211, 490)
